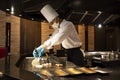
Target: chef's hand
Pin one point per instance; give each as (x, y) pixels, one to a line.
(39, 51)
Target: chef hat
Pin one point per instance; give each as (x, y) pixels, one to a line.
(49, 13)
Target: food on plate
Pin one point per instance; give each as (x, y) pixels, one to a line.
(60, 72)
(45, 72)
(35, 62)
(39, 66)
(73, 71)
(58, 65)
(86, 70)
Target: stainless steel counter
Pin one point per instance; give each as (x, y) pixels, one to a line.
(27, 68)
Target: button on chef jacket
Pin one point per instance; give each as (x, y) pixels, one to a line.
(65, 35)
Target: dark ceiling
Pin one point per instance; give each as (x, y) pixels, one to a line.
(77, 11)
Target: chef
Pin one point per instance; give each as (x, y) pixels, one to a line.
(65, 34)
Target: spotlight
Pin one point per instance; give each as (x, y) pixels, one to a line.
(99, 25)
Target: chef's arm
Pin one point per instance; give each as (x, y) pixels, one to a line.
(61, 35)
(57, 38)
(44, 46)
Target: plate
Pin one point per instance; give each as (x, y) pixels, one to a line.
(73, 71)
(45, 72)
(100, 70)
(87, 70)
(60, 72)
(103, 71)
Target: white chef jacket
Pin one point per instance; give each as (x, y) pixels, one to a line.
(66, 35)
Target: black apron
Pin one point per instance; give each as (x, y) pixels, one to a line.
(75, 55)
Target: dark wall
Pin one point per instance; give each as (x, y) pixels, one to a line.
(107, 38)
(118, 37)
(4, 4)
(100, 38)
(111, 38)
(29, 35)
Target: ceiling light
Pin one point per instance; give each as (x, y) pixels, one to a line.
(77, 2)
(99, 25)
(20, 15)
(99, 12)
(7, 9)
(12, 10)
(32, 18)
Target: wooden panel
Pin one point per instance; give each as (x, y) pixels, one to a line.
(45, 31)
(81, 33)
(30, 35)
(15, 32)
(90, 38)
(2, 28)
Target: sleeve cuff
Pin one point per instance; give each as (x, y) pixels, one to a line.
(48, 44)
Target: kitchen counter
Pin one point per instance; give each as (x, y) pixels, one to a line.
(34, 73)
